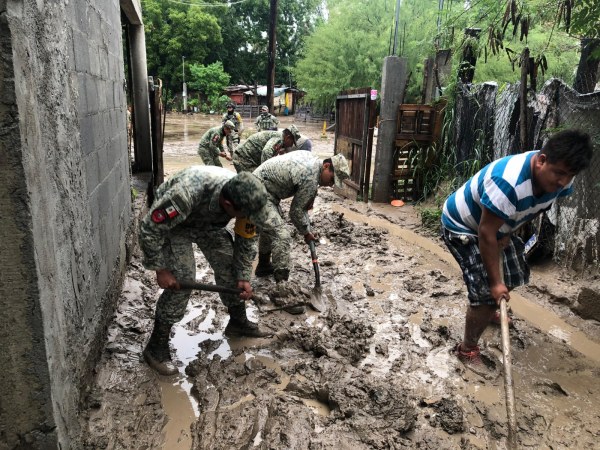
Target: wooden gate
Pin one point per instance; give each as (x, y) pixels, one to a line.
(355, 122)
(418, 129)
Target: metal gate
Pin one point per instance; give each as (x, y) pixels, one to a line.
(355, 121)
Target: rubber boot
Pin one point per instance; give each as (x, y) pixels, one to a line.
(239, 325)
(264, 267)
(157, 353)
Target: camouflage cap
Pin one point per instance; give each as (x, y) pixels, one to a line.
(341, 171)
(294, 132)
(231, 105)
(264, 108)
(247, 192)
(229, 124)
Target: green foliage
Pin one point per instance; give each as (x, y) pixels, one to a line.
(177, 30)
(431, 218)
(585, 20)
(336, 58)
(245, 27)
(209, 80)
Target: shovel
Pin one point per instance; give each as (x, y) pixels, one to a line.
(316, 295)
(507, 363)
(222, 289)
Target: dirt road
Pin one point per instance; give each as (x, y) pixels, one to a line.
(374, 371)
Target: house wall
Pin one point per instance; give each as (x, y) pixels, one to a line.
(66, 208)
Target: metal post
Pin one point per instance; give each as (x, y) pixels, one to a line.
(184, 92)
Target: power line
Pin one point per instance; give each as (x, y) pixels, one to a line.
(207, 5)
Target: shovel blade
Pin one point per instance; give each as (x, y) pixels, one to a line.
(316, 299)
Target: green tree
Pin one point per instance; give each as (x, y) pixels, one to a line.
(244, 27)
(549, 28)
(176, 30)
(210, 80)
(348, 49)
(335, 59)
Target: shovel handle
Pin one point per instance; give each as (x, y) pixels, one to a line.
(507, 364)
(222, 289)
(209, 287)
(315, 261)
(508, 379)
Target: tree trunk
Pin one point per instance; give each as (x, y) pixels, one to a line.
(587, 71)
(523, 100)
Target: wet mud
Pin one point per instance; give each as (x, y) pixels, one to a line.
(373, 371)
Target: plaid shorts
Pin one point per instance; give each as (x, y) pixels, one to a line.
(465, 249)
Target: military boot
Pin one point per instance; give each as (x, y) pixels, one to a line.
(157, 353)
(264, 267)
(239, 325)
(281, 275)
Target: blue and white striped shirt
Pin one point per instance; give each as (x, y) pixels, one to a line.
(505, 188)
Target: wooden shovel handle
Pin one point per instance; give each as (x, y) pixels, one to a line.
(507, 364)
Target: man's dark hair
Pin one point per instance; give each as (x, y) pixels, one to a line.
(328, 160)
(573, 147)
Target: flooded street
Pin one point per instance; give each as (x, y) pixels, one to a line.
(374, 370)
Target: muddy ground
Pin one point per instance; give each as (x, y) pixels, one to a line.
(373, 371)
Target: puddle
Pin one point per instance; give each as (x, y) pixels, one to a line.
(182, 411)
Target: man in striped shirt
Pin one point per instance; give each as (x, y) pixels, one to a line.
(479, 218)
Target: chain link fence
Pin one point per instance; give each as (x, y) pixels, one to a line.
(487, 127)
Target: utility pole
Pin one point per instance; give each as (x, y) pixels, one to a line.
(184, 93)
(395, 48)
(271, 64)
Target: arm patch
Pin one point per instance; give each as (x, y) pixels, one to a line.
(164, 213)
(244, 228)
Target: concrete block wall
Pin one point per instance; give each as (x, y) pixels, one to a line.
(66, 207)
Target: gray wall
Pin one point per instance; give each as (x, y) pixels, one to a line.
(65, 205)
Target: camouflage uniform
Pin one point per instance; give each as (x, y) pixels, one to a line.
(296, 174)
(233, 140)
(186, 211)
(254, 151)
(266, 121)
(210, 145)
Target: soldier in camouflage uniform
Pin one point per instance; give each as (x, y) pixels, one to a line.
(194, 206)
(297, 175)
(262, 146)
(210, 146)
(303, 143)
(233, 140)
(266, 120)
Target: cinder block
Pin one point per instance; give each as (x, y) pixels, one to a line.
(91, 172)
(91, 94)
(81, 52)
(86, 131)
